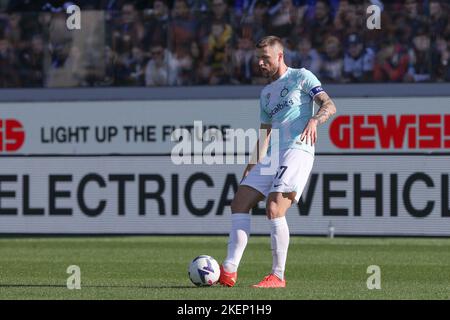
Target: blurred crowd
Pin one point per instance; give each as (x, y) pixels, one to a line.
(211, 42)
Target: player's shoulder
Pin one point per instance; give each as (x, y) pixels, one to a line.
(304, 73)
(306, 79)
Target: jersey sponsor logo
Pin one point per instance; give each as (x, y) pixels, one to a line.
(410, 131)
(280, 106)
(315, 91)
(12, 135)
(284, 92)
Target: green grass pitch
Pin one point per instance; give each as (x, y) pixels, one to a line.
(155, 267)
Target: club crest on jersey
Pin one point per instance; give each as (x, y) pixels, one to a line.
(284, 92)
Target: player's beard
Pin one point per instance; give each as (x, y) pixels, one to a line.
(269, 73)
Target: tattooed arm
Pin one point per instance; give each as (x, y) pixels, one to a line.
(326, 107)
(326, 110)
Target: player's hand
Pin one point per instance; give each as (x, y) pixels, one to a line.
(309, 134)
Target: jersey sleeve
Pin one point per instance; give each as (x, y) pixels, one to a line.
(310, 84)
(263, 116)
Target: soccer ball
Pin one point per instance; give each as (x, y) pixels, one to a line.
(204, 271)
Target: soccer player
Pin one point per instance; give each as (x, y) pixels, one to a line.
(286, 104)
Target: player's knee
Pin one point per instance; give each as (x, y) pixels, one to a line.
(273, 210)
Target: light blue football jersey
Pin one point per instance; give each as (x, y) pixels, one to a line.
(287, 104)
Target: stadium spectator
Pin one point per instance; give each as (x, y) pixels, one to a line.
(15, 31)
(438, 18)
(321, 25)
(310, 6)
(306, 56)
(30, 26)
(57, 6)
(347, 20)
(332, 62)
(289, 49)
(441, 60)
(283, 19)
(420, 57)
(412, 20)
(218, 52)
(128, 32)
(45, 54)
(373, 38)
(247, 7)
(183, 27)
(156, 27)
(184, 64)
(66, 69)
(134, 65)
(8, 65)
(32, 63)
(242, 7)
(258, 19)
(45, 20)
(110, 67)
(63, 61)
(47, 5)
(392, 63)
(243, 57)
(358, 61)
(220, 11)
(160, 70)
(110, 5)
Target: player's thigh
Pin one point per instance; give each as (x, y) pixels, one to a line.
(293, 174)
(245, 199)
(278, 203)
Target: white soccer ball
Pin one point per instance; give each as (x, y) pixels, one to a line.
(204, 271)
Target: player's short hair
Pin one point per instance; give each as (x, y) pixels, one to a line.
(269, 41)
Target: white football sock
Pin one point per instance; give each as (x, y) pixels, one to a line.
(240, 231)
(279, 233)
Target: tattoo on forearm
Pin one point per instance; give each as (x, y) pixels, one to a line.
(326, 108)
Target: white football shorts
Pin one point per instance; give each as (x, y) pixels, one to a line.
(292, 173)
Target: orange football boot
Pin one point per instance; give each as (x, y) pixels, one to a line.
(227, 279)
(271, 281)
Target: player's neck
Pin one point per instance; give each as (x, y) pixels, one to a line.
(281, 70)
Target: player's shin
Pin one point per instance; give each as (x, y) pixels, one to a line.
(240, 231)
(279, 232)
